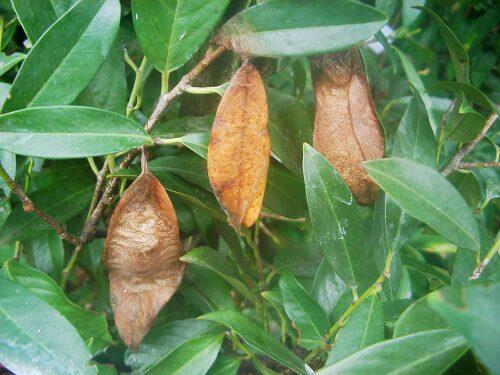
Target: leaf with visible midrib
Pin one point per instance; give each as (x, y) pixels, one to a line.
(291, 28)
(426, 195)
(304, 311)
(192, 357)
(64, 60)
(35, 16)
(65, 132)
(36, 339)
(171, 31)
(257, 337)
(91, 326)
(336, 221)
(429, 352)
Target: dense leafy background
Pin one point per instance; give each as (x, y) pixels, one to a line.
(68, 69)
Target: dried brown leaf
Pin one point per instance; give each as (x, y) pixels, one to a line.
(346, 129)
(142, 254)
(239, 148)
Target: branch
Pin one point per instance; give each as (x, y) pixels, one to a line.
(29, 206)
(480, 268)
(489, 164)
(454, 163)
(164, 101)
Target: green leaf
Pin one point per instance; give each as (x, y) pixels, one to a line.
(458, 54)
(336, 221)
(426, 269)
(476, 317)
(209, 258)
(171, 31)
(257, 337)
(36, 16)
(225, 365)
(472, 93)
(36, 339)
(91, 326)
(418, 317)
(8, 161)
(328, 287)
(163, 339)
(196, 142)
(215, 290)
(291, 28)
(365, 327)
(429, 352)
(414, 138)
(68, 132)
(467, 125)
(108, 88)
(61, 200)
(409, 14)
(414, 78)
(427, 196)
(8, 62)
(289, 127)
(307, 315)
(67, 56)
(47, 253)
(192, 357)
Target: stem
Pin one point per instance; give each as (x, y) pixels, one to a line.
(373, 289)
(480, 268)
(489, 164)
(27, 178)
(208, 90)
(17, 250)
(67, 271)
(440, 135)
(266, 215)
(454, 162)
(139, 75)
(29, 206)
(256, 253)
(1, 32)
(164, 81)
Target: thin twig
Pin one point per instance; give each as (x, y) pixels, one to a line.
(29, 206)
(455, 161)
(489, 164)
(266, 215)
(480, 268)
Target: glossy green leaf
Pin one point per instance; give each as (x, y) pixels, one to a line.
(476, 318)
(36, 339)
(36, 16)
(196, 142)
(47, 253)
(192, 357)
(68, 132)
(61, 200)
(418, 317)
(257, 337)
(289, 127)
(91, 326)
(108, 88)
(163, 339)
(414, 139)
(213, 287)
(458, 54)
(426, 269)
(364, 327)
(307, 315)
(472, 93)
(67, 56)
(171, 31)
(225, 365)
(10, 61)
(209, 258)
(467, 126)
(429, 352)
(467, 185)
(336, 221)
(328, 287)
(288, 28)
(427, 196)
(8, 161)
(414, 78)
(409, 14)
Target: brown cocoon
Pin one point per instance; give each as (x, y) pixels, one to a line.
(142, 253)
(346, 128)
(239, 148)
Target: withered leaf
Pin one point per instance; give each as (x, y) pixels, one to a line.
(142, 254)
(239, 148)
(346, 128)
